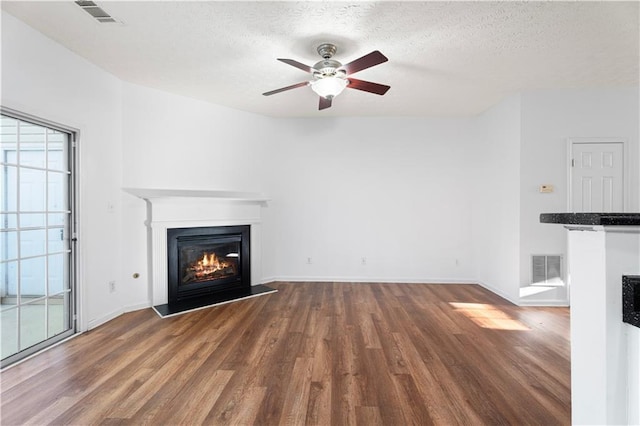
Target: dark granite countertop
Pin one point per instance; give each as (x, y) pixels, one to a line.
(608, 219)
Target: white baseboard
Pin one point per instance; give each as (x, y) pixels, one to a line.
(115, 314)
(550, 303)
(498, 292)
(526, 302)
(103, 319)
(367, 280)
(137, 306)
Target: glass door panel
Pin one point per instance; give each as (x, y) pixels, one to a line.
(36, 298)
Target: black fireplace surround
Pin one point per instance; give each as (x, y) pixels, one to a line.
(207, 261)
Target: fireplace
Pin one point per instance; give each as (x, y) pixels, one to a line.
(205, 262)
(179, 217)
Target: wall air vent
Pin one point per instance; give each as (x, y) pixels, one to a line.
(546, 270)
(97, 12)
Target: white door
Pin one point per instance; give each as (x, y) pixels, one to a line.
(597, 177)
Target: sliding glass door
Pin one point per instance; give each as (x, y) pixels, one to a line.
(36, 230)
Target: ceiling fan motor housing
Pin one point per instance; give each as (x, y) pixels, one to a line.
(328, 68)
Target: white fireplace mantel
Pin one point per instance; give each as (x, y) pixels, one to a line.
(156, 193)
(183, 208)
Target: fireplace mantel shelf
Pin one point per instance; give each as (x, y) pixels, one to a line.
(152, 193)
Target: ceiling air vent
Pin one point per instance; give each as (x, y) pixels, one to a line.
(96, 11)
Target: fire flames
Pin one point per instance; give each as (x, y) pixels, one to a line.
(209, 267)
(211, 261)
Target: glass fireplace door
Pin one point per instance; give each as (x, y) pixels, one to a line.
(202, 262)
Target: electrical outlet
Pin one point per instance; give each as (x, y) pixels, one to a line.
(112, 286)
(309, 260)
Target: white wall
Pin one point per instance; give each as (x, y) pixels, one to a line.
(524, 145)
(495, 177)
(391, 190)
(44, 79)
(174, 142)
(548, 119)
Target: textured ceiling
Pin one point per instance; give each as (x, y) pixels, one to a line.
(445, 58)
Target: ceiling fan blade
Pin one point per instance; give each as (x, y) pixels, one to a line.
(282, 89)
(324, 103)
(367, 86)
(367, 61)
(296, 64)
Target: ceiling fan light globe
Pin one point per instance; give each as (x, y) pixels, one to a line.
(329, 87)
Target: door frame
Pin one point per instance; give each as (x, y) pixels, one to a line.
(75, 268)
(626, 177)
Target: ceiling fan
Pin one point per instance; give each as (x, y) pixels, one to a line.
(330, 77)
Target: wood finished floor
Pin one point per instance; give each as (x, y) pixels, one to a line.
(313, 353)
